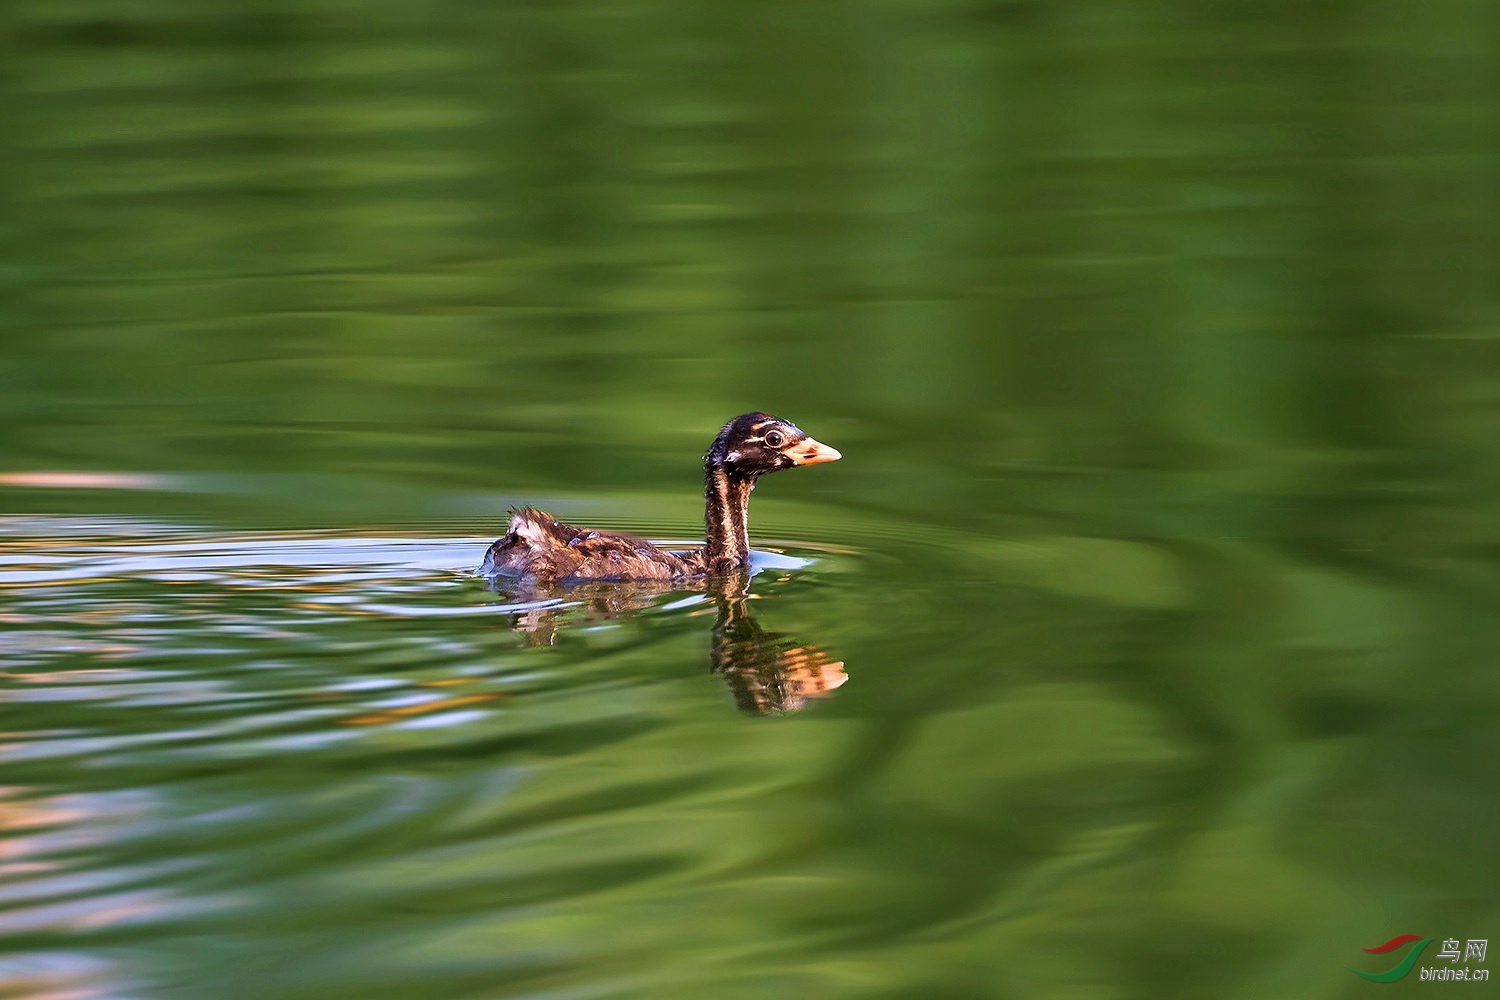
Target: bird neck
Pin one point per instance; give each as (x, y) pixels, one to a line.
(726, 498)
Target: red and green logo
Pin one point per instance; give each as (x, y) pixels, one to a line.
(1402, 967)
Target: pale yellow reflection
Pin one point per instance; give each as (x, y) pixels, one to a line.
(60, 480)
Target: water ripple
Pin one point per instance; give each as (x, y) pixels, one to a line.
(356, 723)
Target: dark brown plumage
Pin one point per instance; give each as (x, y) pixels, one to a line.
(537, 546)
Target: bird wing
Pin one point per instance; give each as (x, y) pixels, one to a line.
(540, 545)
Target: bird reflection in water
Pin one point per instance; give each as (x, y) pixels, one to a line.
(769, 673)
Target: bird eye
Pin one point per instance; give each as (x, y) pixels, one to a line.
(775, 439)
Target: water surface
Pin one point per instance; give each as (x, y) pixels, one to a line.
(1140, 646)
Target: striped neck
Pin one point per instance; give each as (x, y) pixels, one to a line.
(726, 498)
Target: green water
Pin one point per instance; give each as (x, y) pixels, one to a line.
(1140, 646)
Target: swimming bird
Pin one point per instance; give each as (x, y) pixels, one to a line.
(539, 547)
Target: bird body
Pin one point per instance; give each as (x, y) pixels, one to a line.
(539, 547)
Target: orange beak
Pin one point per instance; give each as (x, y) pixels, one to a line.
(811, 452)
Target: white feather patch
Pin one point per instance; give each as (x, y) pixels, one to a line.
(527, 529)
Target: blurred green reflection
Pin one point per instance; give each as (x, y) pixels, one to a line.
(1160, 344)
